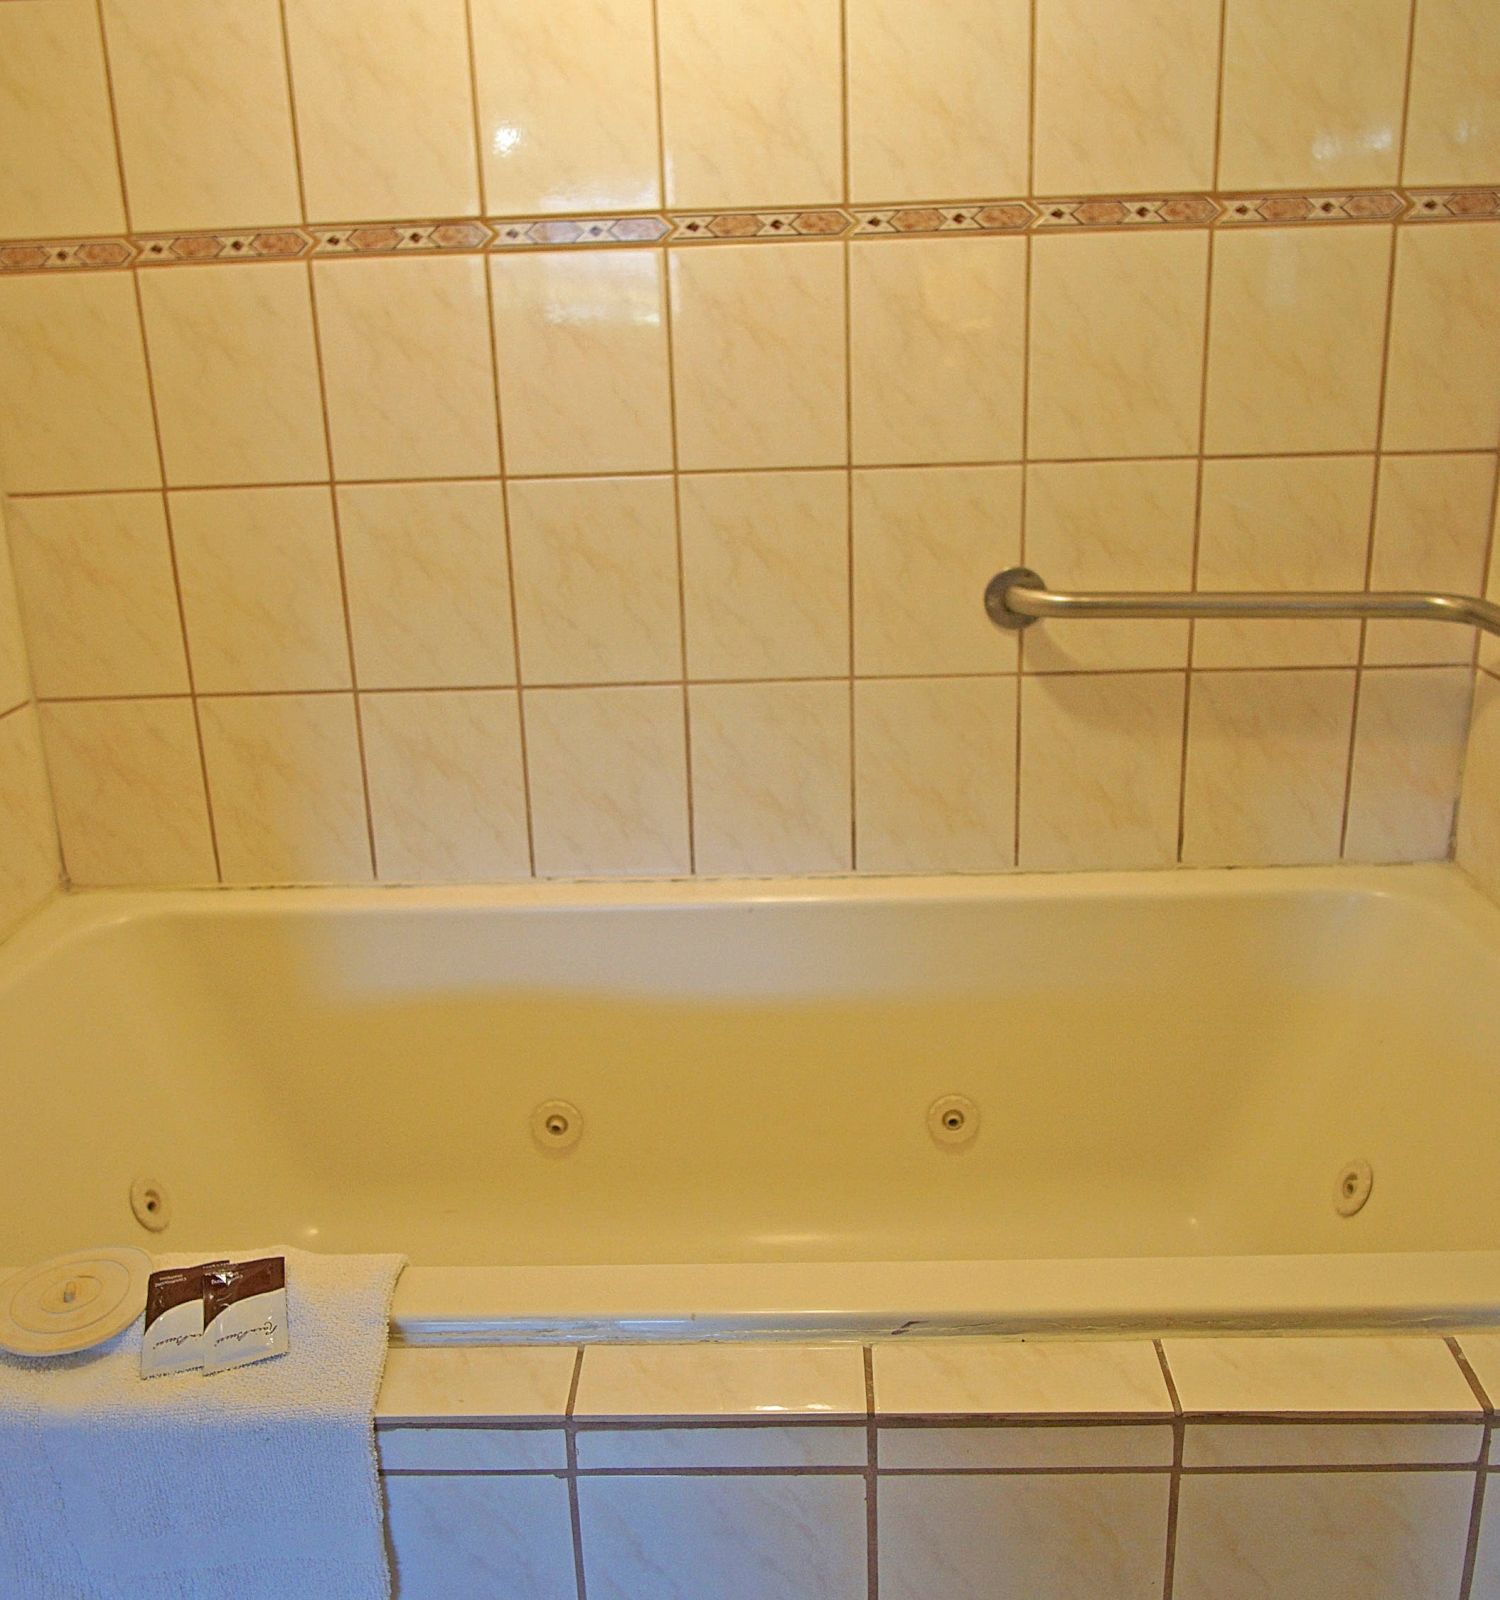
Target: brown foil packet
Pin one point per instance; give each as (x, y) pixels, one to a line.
(173, 1336)
(244, 1312)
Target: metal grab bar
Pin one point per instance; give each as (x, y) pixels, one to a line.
(1018, 597)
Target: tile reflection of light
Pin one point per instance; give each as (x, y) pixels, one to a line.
(505, 139)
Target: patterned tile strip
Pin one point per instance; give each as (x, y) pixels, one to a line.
(1109, 212)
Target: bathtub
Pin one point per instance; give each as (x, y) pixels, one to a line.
(706, 1110)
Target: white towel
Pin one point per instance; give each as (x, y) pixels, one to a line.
(255, 1484)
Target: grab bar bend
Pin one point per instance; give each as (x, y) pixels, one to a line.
(1018, 597)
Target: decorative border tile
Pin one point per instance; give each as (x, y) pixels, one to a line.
(1006, 216)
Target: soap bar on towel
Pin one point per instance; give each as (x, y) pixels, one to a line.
(258, 1484)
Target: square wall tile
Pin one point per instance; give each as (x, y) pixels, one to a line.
(1117, 344)
(1015, 1377)
(1432, 531)
(724, 1538)
(98, 594)
(1453, 125)
(234, 368)
(1322, 1536)
(1072, 1536)
(771, 780)
(287, 788)
(1101, 769)
(935, 774)
(408, 370)
(722, 1380)
(1268, 756)
(567, 105)
(751, 102)
(925, 545)
(758, 353)
(1477, 849)
(261, 589)
(385, 116)
(1295, 337)
(1409, 739)
(714, 1448)
(597, 596)
(487, 1448)
(765, 561)
(938, 331)
(608, 771)
(128, 780)
(447, 792)
(59, 176)
(1443, 377)
(1110, 525)
(1035, 1446)
(480, 1535)
(1347, 1443)
(1127, 107)
(75, 404)
(29, 865)
(517, 1382)
(1287, 121)
(581, 345)
(1288, 522)
(429, 584)
(217, 151)
(938, 104)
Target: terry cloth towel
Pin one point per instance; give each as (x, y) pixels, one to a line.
(259, 1483)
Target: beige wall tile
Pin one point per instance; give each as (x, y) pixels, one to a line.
(1295, 339)
(385, 117)
(1110, 525)
(758, 353)
(596, 580)
(1268, 753)
(1330, 1444)
(261, 589)
(710, 1448)
(1128, 105)
(998, 1445)
(1117, 344)
(770, 777)
(97, 591)
(723, 1380)
(1101, 764)
(487, 1449)
(408, 368)
(75, 406)
(1443, 383)
(751, 102)
(59, 175)
(1408, 758)
(938, 334)
(1453, 128)
(567, 104)
(234, 367)
(765, 561)
(129, 786)
(1432, 531)
(521, 1381)
(581, 344)
(288, 796)
(959, 1377)
(429, 584)
(217, 150)
(446, 787)
(1283, 523)
(1288, 120)
(608, 781)
(925, 545)
(1478, 837)
(29, 866)
(15, 672)
(935, 775)
(938, 104)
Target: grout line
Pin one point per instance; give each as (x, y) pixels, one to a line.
(1216, 161)
(570, 1444)
(849, 601)
(844, 103)
(114, 114)
(1031, 55)
(1411, 53)
(872, 1482)
(1476, 1523)
(291, 100)
(1026, 275)
(1174, 1489)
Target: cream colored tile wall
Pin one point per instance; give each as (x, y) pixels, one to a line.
(422, 561)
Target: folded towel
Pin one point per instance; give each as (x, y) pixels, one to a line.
(254, 1484)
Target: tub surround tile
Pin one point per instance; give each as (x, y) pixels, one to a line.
(1330, 1444)
(1487, 1554)
(234, 372)
(1027, 1447)
(771, 777)
(713, 1449)
(75, 406)
(515, 1382)
(288, 795)
(15, 672)
(471, 1449)
(721, 1380)
(217, 152)
(261, 589)
(29, 864)
(59, 175)
(1454, 125)
(937, 98)
(100, 601)
(1482, 1352)
(128, 781)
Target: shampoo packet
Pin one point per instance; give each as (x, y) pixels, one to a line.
(244, 1312)
(173, 1339)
